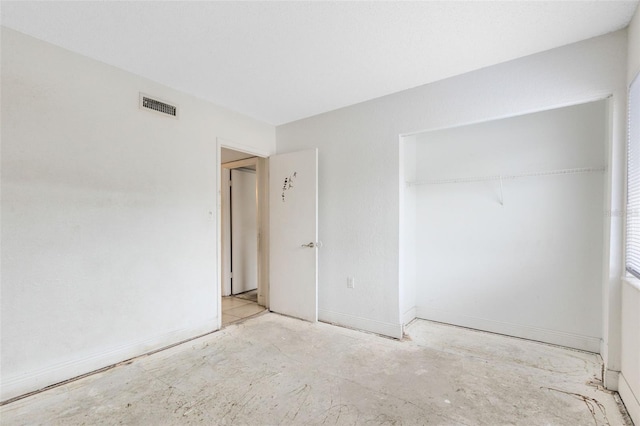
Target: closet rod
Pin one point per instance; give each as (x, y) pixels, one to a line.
(515, 176)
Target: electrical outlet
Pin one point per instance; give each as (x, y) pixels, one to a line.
(350, 282)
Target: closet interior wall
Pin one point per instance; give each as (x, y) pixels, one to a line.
(509, 224)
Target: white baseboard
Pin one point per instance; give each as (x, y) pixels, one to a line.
(409, 316)
(611, 379)
(575, 341)
(359, 323)
(630, 400)
(16, 384)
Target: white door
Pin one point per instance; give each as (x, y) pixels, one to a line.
(293, 247)
(244, 231)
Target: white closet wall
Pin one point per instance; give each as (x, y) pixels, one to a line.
(521, 254)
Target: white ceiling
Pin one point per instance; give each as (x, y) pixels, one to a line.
(282, 61)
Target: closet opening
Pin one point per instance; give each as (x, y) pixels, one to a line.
(503, 225)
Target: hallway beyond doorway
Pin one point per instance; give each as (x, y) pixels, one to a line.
(240, 306)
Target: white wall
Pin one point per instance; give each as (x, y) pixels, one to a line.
(359, 167)
(633, 65)
(522, 257)
(629, 381)
(407, 235)
(629, 384)
(108, 214)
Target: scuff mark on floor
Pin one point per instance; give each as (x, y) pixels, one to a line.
(591, 404)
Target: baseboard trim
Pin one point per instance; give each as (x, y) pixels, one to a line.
(575, 341)
(629, 398)
(409, 316)
(359, 323)
(611, 379)
(15, 385)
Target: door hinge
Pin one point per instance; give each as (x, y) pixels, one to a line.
(231, 275)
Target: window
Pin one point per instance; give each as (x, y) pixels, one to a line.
(633, 180)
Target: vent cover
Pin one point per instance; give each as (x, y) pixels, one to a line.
(149, 103)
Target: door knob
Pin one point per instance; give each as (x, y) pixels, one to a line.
(312, 244)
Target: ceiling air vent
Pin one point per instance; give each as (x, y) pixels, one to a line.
(149, 103)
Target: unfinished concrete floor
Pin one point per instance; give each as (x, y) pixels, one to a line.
(272, 370)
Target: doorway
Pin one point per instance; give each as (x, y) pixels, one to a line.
(242, 291)
(287, 271)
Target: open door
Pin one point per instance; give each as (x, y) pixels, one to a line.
(244, 231)
(293, 248)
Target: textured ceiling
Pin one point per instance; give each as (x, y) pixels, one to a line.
(282, 61)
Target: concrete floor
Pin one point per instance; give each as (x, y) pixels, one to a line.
(270, 370)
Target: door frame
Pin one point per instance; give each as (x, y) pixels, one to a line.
(261, 162)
